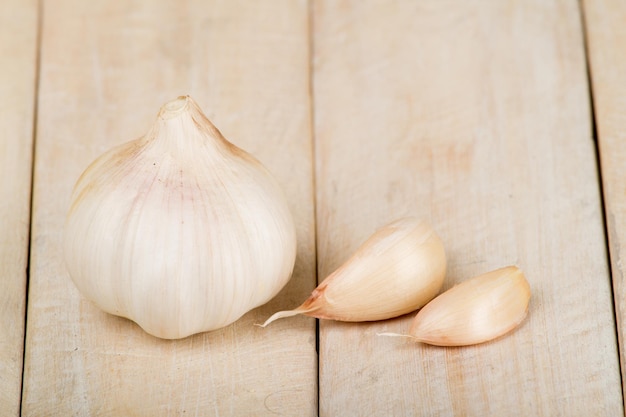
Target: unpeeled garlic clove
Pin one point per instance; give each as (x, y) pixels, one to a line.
(397, 270)
(475, 311)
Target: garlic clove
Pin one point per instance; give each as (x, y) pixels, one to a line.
(397, 270)
(475, 311)
(180, 231)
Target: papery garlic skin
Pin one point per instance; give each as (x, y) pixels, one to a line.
(475, 311)
(397, 270)
(179, 231)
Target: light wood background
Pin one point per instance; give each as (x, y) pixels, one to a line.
(607, 63)
(18, 66)
(500, 122)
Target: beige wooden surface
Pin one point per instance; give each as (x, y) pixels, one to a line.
(18, 49)
(606, 43)
(106, 68)
(473, 115)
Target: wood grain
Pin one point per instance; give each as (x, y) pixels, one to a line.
(475, 116)
(606, 37)
(106, 68)
(18, 46)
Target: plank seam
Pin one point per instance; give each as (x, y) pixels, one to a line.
(37, 79)
(598, 161)
(311, 86)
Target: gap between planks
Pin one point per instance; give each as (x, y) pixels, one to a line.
(596, 140)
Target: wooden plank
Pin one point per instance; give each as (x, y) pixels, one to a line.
(606, 37)
(475, 116)
(106, 68)
(18, 40)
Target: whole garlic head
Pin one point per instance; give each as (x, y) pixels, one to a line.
(180, 230)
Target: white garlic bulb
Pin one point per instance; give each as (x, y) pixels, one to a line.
(397, 270)
(180, 230)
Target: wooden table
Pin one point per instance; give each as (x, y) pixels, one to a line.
(503, 123)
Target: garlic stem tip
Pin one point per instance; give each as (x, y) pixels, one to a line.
(174, 107)
(280, 315)
(390, 334)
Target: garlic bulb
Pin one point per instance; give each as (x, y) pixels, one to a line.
(180, 230)
(474, 311)
(397, 270)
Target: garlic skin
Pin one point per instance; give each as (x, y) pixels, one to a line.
(475, 311)
(397, 270)
(180, 230)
